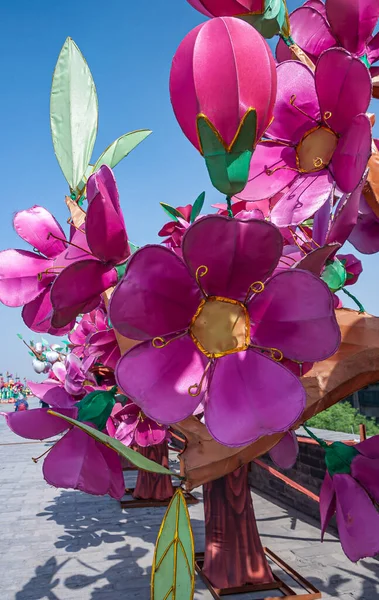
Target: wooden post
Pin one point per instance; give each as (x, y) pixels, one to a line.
(362, 432)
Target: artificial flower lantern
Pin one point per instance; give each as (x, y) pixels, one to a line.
(267, 16)
(223, 90)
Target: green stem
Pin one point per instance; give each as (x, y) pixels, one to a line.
(229, 205)
(287, 40)
(314, 437)
(360, 306)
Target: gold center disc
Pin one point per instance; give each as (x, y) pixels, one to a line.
(220, 326)
(315, 150)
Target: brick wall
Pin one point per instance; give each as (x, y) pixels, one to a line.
(308, 471)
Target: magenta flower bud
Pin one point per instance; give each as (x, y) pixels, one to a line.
(222, 69)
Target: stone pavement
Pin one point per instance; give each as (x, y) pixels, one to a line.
(65, 545)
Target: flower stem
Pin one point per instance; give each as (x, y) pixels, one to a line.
(360, 306)
(314, 437)
(229, 206)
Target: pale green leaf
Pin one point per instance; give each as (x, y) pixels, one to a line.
(135, 458)
(197, 207)
(173, 574)
(121, 148)
(73, 113)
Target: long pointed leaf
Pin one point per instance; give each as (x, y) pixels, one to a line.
(121, 148)
(73, 113)
(171, 211)
(135, 458)
(197, 206)
(173, 573)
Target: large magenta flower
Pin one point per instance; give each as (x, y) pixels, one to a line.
(320, 137)
(316, 27)
(76, 461)
(214, 328)
(26, 277)
(78, 288)
(351, 490)
(131, 427)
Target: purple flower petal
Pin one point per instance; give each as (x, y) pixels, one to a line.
(250, 396)
(105, 227)
(353, 267)
(310, 30)
(357, 519)
(19, 281)
(366, 472)
(272, 169)
(346, 215)
(37, 226)
(37, 315)
(353, 22)
(304, 198)
(76, 462)
(321, 221)
(77, 289)
(314, 262)
(327, 503)
(37, 424)
(158, 379)
(351, 156)
(149, 433)
(369, 447)
(295, 313)
(285, 453)
(343, 85)
(295, 81)
(157, 295)
(373, 49)
(365, 235)
(236, 253)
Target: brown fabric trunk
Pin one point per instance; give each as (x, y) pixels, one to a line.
(151, 486)
(233, 550)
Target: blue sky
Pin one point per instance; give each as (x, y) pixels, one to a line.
(128, 46)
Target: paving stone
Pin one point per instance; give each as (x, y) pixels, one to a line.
(65, 545)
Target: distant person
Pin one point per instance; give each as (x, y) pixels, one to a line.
(21, 403)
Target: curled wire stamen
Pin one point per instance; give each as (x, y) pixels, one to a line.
(200, 272)
(292, 103)
(197, 387)
(327, 115)
(255, 288)
(35, 460)
(160, 342)
(275, 353)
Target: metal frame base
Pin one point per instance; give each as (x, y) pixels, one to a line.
(148, 503)
(311, 593)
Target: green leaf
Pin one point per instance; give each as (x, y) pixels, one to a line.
(19, 336)
(31, 353)
(96, 407)
(135, 458)
(228, 168)
(334, 275)
(121, 148)
(121, 270)
(173, 573)
(171, 211)
(338, 458)
(197, 206)
(73, 113)
(133, 247)
(308, 223)
(45, 342)
(271, 21)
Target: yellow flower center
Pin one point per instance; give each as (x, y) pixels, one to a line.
(315, 150)
(220, 326)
